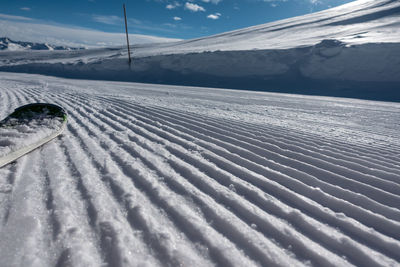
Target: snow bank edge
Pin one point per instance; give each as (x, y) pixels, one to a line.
(330, 68)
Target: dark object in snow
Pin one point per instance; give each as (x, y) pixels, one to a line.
(35, 111)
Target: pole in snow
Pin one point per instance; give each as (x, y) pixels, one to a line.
(127, 37)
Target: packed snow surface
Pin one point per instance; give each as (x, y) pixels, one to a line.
(150, 175)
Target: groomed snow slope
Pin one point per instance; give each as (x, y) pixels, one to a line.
(164, 175)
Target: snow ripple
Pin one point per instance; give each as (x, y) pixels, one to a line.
(141, 177)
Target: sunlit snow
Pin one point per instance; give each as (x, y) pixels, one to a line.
(349, 51)
(164, 175)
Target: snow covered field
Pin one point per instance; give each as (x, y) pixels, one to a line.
(349, 51)
(164, 175)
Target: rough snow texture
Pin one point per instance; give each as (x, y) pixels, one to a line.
(20, 135)
(351, 51)
(164, 176)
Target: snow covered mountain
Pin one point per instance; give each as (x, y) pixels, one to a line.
(11, 45)
(351, 50)
(60, 35)
(355, 23)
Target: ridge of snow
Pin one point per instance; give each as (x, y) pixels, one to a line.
(351, 50)
(11, 45)
(377, 22)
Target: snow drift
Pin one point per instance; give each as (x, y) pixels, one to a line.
(352, 50)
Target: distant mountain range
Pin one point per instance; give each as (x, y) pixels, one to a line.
(11, 45)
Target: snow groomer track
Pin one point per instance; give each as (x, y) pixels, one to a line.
(166, 176)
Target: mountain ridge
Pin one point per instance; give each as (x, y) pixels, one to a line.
(9, 44)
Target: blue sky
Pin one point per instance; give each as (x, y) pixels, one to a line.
(166, 18)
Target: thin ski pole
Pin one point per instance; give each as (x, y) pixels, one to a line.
(127, 37)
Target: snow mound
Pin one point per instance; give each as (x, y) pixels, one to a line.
(350, 51)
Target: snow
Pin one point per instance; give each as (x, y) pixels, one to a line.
(21, 135)
(164, 175)
(348, 51)
(161, 175)
(36, 31)
(11, 45)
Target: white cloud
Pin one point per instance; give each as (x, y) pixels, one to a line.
(274, 1)
(110, 20)
(11, 17)
(173, 5)
(25, 8)
(177, 18)
(212, 1)
(214, 16)
(194, 7)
